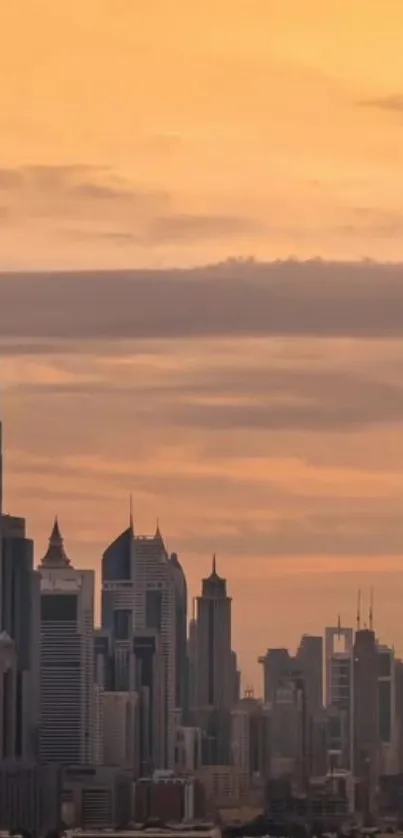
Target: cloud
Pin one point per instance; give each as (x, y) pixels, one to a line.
(393, 103)
(71, 191)
(315, 298)
(193, 227)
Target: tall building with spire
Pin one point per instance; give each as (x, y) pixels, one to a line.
(142, 591)
(214, 681)
(66, 658)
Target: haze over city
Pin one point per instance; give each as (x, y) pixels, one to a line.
(256, 409)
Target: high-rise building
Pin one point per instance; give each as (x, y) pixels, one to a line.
(309, 662)
(8, 697)
(215, 685)
(181, 662)
(140, 594)
(366, 713)
(278, 665)
(339, 681)
(250, 737)
(214, 671)
(66, 658)
(19, 618)
(387, 726)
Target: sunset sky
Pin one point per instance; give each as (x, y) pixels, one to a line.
(257, 411)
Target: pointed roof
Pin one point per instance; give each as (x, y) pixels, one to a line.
(157, 534)
(55, 555)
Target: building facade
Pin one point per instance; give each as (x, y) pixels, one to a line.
(66, 658)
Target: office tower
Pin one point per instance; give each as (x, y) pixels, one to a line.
(277, 665)
(139, 594)
(66, 658)
(8, 696)
(339, 681)
(150, 685)
(387, 727)
(250, 737)
(118, 605)
(181, 658)
(192, 663)
(214, 666)
(366, 738)
(214, 654)
(19, 618)
(155, 610)
(309, 662)
(288, 725)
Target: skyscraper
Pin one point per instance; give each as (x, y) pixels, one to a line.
(214, 664)
(66, 658)
(181, 657)
(19, 618)
(366, 733)
(309, 662)
(155, 600)
(142, 595)
(339, 675)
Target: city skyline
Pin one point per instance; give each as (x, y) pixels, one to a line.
(255, 407)
(362, 612)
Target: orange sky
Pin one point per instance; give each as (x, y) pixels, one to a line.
(174, 133)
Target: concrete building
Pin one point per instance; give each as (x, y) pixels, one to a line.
(96, 797)
(66, 658)
(151, 691)
(188, 750)
(278, 665)
(120, 729)
(225, 786)
(30, 796)
(20, 619)
(288, 754)
(250, 737)
(339, 681)
(8, 697)
(309, 662)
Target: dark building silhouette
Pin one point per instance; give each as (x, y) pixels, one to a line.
(20, 619)
(181, 662)
(366, 738)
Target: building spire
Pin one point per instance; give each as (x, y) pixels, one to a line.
(214, 566)
(131, 525)
(359, 609)
(371, 609)
(338, 624)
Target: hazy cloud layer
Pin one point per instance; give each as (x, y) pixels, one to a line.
(287, 298)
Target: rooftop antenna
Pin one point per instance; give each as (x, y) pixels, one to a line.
(371, 610)
(338, 625)
(131, 511)
(214, 569)
(359, 609)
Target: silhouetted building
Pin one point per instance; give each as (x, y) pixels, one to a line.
(278, 666)
(366, 713)
(214, 667)
(19, 618)
(181, 661)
